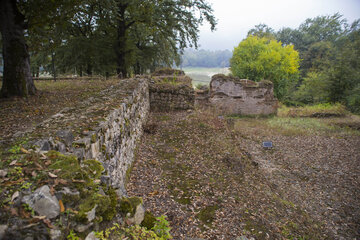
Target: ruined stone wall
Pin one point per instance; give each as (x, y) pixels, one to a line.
(171, 90)
(167, 97)
(231, 95)
(105, 128)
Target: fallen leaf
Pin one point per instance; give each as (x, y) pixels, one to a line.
(48, 223)
(14, 211)
(24, 214)
(38, 165)
(15, 195)
(52, 190)
(154, 193)
(52, 175)
(24, 150)
(62, 208)
(72, 210)
(13, 163)
(43, 157)
(78, 181)
(48, 162)
(33, 173)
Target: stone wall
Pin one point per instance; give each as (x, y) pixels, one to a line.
(105, 128)
(171, 90)
(231, 95)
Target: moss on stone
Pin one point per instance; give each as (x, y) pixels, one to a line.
(149, 220)
(93, 138)
(93, 167)
(69, 165)
(103, 148)
(128, 205)
(83, 177)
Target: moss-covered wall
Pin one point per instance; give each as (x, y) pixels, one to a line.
(104, 127)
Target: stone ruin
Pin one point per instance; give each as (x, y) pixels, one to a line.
(231, 95)
(171, 89)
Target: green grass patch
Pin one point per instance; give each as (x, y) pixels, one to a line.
(297, 126)
(318, 111)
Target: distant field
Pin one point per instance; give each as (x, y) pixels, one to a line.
(203, 75)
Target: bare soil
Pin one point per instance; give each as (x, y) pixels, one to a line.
(213, 179)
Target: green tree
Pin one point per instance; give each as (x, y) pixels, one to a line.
(262, 58)
(262, 30)
(170, 21)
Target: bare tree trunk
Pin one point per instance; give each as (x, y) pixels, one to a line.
(17, 80)
(121, 41)
(53, 65)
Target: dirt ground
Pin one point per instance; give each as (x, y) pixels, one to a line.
(213, 179)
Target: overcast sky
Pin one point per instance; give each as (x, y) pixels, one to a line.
(237, 17)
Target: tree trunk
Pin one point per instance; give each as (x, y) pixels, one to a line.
(89, 69)
(121, 41)
(17, 80)
(53, 65)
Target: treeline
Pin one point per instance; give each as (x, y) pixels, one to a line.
(205, 58)
(329, 49)
(96, 37)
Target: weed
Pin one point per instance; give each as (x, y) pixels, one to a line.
(29, 209)
(26, 185)
(162, 228)
(160, 231)
(72, 236)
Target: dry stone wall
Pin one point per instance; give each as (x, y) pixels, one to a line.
(164, 97)
(231, 95)
(171, 90)
(105, 127)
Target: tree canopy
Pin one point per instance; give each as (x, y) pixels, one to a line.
(94, 36)
(263, 58)
(329, 67)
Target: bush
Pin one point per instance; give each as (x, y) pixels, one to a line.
(353, 100)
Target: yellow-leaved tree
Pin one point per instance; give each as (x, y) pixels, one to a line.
(263, 58)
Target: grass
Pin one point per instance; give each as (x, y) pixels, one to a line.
(319, 110)
(299, 126)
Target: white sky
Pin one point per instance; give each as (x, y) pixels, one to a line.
(237, 17)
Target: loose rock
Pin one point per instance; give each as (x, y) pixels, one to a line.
(3, 173)
(43, 202)
(139, 215)
(55, 234)
(91, 236)
(3, 229)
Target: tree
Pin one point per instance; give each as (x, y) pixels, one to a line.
(262, 58)
(170, 21)
(334, 74)
(17, 80)
(262, 30)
